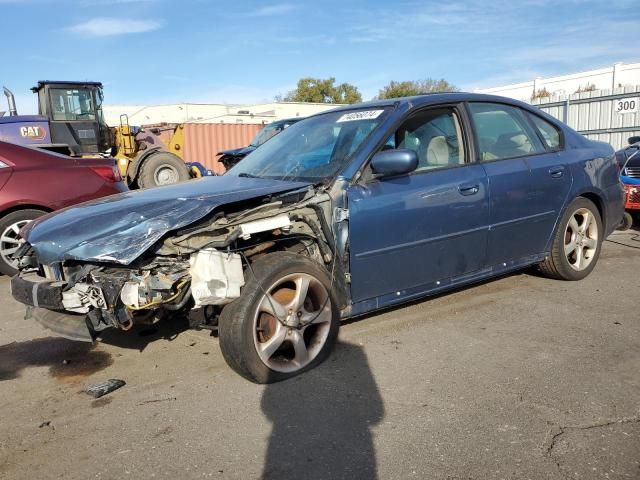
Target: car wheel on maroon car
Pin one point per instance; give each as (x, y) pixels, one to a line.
(576, 244)
(10, 241)
(258, 338)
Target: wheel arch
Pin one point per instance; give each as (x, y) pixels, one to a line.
(340, 287)
(134, 166)
(593, 196)
(598, 202)
(24, 206)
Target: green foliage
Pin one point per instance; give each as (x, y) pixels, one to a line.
(320, 90)
(409, 88)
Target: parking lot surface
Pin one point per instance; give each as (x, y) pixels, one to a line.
(517, 378)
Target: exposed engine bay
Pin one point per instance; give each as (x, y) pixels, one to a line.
(197, 269)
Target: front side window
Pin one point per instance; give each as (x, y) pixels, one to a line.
(548, 132)
(314, 149)
(503, 132)
(72, 104)
(435, 136)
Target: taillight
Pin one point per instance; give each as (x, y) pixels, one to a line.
(110, 174)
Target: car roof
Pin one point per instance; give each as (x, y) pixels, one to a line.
(432, 99)
(287, 120)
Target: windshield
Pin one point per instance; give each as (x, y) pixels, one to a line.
(265, 134)
(312, 150)
(72, 104)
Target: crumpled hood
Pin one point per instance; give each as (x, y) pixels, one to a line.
(120, 228)
(235, 152)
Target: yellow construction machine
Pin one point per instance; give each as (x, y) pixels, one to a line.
(71, 122)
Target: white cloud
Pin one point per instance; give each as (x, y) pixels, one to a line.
(272, 10)
(105, 27)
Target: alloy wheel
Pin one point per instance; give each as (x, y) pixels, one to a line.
(10, 241)
(292, 322)
(581, 239)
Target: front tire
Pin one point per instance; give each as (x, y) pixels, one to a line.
(576, 244)
(162, 168)
(10, 241)
(285, 322)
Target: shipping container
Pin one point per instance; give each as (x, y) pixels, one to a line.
(202, 141)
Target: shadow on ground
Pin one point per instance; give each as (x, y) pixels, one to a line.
(142, 335)
(67, 360)
(322, 420)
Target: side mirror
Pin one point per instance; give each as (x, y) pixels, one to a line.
(394, 162)
(633, 140)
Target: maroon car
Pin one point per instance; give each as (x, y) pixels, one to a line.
(34, 182)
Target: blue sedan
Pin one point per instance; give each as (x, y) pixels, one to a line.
(343, 213)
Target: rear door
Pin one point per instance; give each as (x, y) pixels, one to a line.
(551, 180)
(412, 233)
(526, 181)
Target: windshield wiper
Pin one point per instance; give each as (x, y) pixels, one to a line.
(248, 175)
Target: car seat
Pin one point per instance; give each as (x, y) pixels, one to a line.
(438, 152)
(512, 145)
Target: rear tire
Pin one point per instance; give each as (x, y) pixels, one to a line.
(576, 244)
(260, 347)
(162, 168)
(10, 225)
(627, 222)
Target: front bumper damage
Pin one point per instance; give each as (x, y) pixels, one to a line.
(118, 298)
(200, 266)
(44, 305)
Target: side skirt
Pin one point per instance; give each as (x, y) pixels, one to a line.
(402, 296)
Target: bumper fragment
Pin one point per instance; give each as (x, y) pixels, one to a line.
(66, 325)
(36, 291)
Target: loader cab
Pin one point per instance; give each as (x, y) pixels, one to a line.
(74, 110)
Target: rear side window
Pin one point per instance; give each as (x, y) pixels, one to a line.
(548, 132)
(503, 132)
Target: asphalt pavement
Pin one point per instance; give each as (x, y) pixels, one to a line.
(516, 378)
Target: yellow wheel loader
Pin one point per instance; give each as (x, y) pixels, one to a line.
(70, 121)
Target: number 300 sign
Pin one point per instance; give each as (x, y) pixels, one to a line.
(627, 105)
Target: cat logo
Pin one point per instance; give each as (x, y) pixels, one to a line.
(33, 133)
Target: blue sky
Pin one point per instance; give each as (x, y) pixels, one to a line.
(166, 51)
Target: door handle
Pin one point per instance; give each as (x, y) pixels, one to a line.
(556, 172)
(468, 189)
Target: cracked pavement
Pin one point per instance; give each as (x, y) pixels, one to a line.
(516, 378)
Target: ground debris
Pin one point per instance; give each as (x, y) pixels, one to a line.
(99, 389)
(156, 400)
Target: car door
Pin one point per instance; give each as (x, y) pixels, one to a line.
(551, 179)
(515, 158)
(413, 233)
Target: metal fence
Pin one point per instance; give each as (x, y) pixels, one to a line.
(610, 116)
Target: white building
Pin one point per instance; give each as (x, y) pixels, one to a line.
(260, 113)
(618, 75)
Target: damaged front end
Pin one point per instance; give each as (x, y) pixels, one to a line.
(195, 270)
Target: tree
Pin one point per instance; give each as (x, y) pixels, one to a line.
(415, 87)
(540, 93)
(320, 90)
